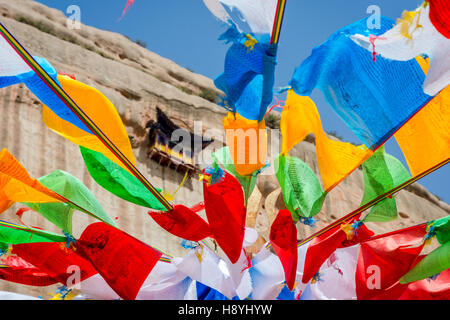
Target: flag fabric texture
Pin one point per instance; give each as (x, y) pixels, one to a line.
(55, 260)
(373, 99)
(249, 75)
(17, 270)
(301, 188)
(425, 139)
(123, 261)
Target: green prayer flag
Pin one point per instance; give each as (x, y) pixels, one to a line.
(434, 263)
(382, 172)
(74, 190)
(300, 186)
(118, 181)
(14, 234)
(441, 228)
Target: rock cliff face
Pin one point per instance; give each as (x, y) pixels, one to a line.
(137, 81)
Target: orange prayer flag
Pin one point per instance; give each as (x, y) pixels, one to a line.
(247, 141)
(16, 185)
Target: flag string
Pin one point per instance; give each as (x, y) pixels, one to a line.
(278, 21)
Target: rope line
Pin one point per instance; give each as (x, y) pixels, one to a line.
(278, 22)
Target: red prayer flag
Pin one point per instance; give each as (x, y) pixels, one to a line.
(123, 261)
(440, 16)
(321, 247)
(182, 222)
(54, 259)
(283, 236)
(225, 210)
(390, 256)
(22, 272)
(437, 288)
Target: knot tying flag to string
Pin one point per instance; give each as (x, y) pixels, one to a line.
(69, 239)
(309, 221)
(189, 244)
(351, 230)
(431, 233)
(317, 278)
(434, 277)
(212, 175)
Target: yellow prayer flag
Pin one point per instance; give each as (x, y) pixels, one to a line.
(101, 111)
(336, 159)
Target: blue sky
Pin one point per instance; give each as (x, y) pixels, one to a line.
(186, 32)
